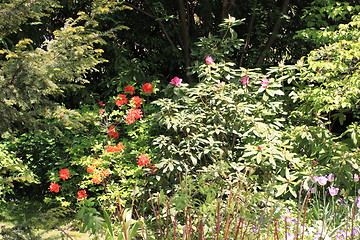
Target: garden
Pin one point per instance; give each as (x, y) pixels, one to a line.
(184, 120)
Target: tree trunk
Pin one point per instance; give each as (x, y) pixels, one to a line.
(275, 31)
(248, 36)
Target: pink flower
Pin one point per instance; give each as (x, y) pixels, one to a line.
(245, 81)
(209, 60)
(265, 83)
(333, 191)
(322, 180)
(176, 81)
(356, 177)
(330, 177)
(314, 179)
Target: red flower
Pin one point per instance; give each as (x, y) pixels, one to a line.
(132, 115)
(314, 163)
(147, 88)
(54, 187)
(101, 112)
(64, 174)
(137, 101)
(121, 100)
(101, 103)
(130, 90)
(143, 160)
(153, 169)
(81, 194)
(113, 133)
(117, 148)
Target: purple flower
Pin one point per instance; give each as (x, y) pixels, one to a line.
(333, 191)
(245, 81)
(322, 180)
(176, 81)
(331, 177)
(356, 177)
(209, 60)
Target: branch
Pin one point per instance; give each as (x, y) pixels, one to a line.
(276, 28)
(153, 17)
(62, 230)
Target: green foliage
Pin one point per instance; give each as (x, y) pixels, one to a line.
(12, 170)
(15, 13)
(31, 78)
(23, 219)
(323, 18)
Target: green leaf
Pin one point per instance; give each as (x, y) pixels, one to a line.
(281, 189)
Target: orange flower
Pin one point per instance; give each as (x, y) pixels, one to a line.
(64, 174)
(91, 169)
(117, 148)
(97, 179)
(97, 161)
(54, 187)
(105, 172)
(143, 160)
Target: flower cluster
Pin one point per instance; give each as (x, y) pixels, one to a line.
(135, 103)
(121, 99)
(113, 133)
(98, 174)
(115, 149)
(64, 174)
(143, 160)
(133, 114)
(323, 180)
(130, 90)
